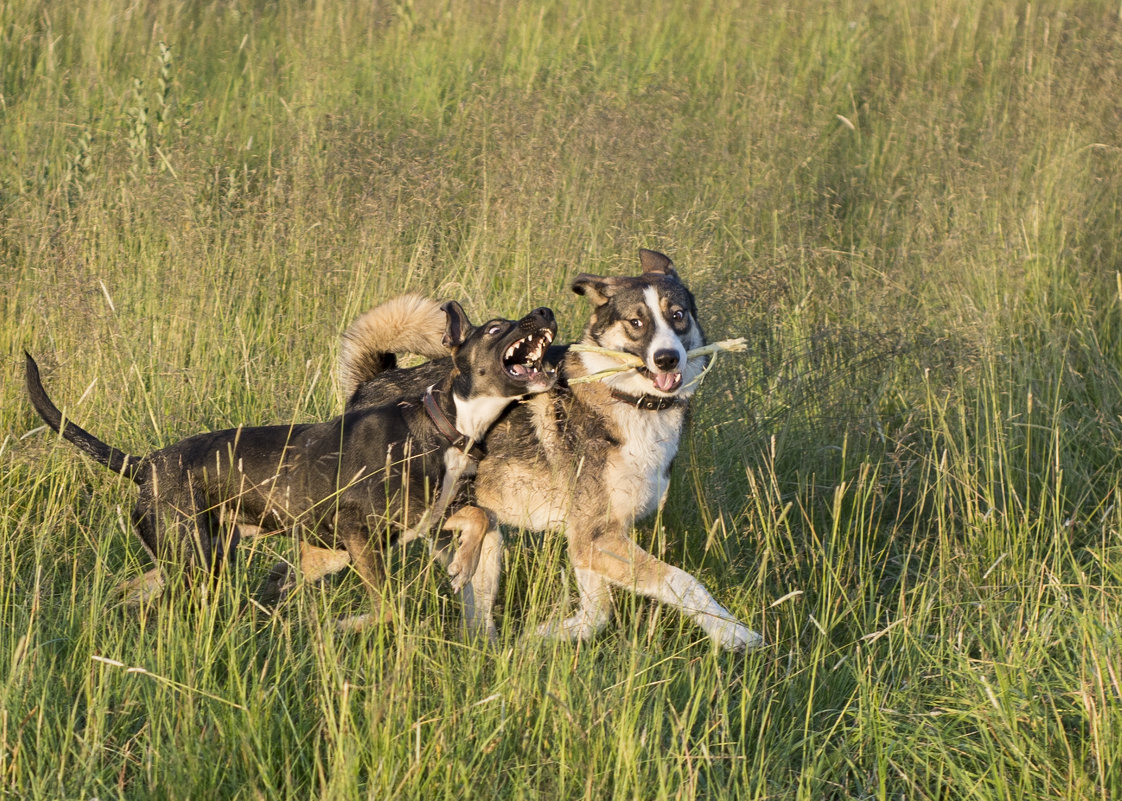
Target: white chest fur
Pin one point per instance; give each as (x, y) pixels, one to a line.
(638, 474)
(634, 476)
(475, 416)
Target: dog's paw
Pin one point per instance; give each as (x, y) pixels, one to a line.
(470, 523)
(483, 631)
(459, 579)
(142, 590)
(578, 627)
(735, 636)
(355, 623)
(277, 585)
(480, 627)
(463, 566)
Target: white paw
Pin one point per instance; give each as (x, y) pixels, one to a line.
(478, 624)
(484, 630)
(734, 636)
(577, 627)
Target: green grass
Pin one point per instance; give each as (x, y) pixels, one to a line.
(910, 484)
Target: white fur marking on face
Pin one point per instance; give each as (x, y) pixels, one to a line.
(661, 337)
(664, 336)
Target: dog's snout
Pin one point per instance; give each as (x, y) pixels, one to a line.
(666, 359)
(535, 318)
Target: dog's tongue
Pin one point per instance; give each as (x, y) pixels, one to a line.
(527, 371)
(667, 381)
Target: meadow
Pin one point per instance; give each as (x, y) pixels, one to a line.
(909, 483)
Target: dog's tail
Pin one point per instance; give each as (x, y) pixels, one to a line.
(406, 324)
(115, 460)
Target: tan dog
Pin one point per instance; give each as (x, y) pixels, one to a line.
(588, 459)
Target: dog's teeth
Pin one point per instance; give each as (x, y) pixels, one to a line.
(528, 352)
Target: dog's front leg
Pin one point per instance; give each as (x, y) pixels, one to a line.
(616, 558)
(478, 595)
(316, 564)
(472, 524)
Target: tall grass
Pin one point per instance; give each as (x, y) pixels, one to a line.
(910, 484)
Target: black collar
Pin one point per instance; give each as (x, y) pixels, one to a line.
(458, 439)
(650, 403)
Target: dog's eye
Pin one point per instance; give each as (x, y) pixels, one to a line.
(636, 323)
(494, 329)
(677, 316)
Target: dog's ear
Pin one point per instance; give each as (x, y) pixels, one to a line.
(654, 262)
(458, 325)
(594, 287)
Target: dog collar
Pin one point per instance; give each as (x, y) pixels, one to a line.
(458, 439)
(650, 403)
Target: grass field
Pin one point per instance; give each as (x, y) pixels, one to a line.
(910, 483)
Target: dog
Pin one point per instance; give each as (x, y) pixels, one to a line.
(353, 483)
(586, 458)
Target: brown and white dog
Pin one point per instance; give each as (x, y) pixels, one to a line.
(588, 459)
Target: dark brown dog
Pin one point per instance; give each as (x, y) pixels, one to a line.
(365, 478)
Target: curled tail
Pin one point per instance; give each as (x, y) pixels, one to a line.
(406, 324)
(115, 460)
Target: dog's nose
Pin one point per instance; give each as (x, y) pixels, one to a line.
(666, 360)
(544, 311)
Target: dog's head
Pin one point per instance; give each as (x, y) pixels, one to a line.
(652, 316)
(500, 358)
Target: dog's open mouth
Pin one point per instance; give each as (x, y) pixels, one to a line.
(523, 359)
(664, 382)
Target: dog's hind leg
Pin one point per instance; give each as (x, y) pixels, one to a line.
(144, 589)
(316, 564)
(173, 552)
(182, 536)
(201, 535)
(277, 585)
(366, 557)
